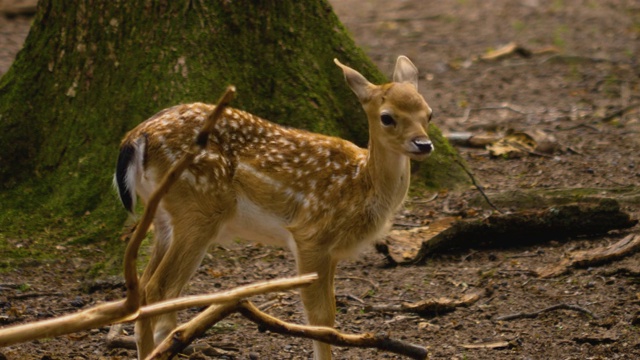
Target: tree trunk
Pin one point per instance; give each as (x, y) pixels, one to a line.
(91, 70)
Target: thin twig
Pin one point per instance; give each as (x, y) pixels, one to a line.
(478, 186)
(614, 182)
(10, 286)
(469, 255)
(502, 107)
(371, 282)
(33, 295)
(468, 111)
(399, 224)
(550, 308)
(575, 58)
(523, 255)
(401, 19)
(424, 201)
(268, 305)
(355, 298)
(577, 126)
(430, 306)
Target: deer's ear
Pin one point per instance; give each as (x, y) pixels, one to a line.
(358, 83)
(405, 71)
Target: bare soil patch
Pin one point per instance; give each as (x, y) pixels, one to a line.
(581, 66)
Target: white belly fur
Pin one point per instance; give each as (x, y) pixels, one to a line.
(253, 224)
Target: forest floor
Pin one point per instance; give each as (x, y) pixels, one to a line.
(578, 62)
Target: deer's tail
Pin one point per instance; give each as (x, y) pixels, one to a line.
(128, 169)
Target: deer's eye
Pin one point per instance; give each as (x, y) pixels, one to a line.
(387, 120)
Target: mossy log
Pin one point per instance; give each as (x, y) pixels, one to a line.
(91, 70)
(517, 229)
(521, 199)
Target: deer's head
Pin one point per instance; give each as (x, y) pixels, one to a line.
(398, 115)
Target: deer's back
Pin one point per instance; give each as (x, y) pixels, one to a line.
(301, 180)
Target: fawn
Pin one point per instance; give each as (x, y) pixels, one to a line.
(322, 197)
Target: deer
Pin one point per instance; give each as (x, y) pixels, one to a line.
(322, 197)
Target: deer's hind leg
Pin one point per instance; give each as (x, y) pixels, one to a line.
(170, 269)
(162, 234)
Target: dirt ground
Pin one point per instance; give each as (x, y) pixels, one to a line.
(580, 64)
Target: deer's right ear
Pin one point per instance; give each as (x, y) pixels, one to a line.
(405, 71)
(358, 83)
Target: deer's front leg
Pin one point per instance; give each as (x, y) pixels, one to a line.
(319, 298)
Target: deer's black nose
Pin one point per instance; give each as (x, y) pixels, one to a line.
(424, 145)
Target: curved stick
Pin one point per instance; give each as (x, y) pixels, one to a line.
(131, 254)
(127, 309)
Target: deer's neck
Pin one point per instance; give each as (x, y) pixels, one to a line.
(390, 174)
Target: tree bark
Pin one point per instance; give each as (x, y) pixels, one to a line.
(91, 70)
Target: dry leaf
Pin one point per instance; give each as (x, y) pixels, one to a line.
(512, 146)
(518, 144)
(508, 49)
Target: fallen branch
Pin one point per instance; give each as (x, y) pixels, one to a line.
(104, 314)
(620, 112)
(593, 257)
(550, 308)
(115, 340)
(183, 335)
(430, 306)
(330, 335)
(33, 295)
(230, 296)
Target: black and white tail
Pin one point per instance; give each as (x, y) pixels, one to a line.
(127, 171)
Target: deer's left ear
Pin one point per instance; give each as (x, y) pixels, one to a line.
(405, 71)
(358, 83)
